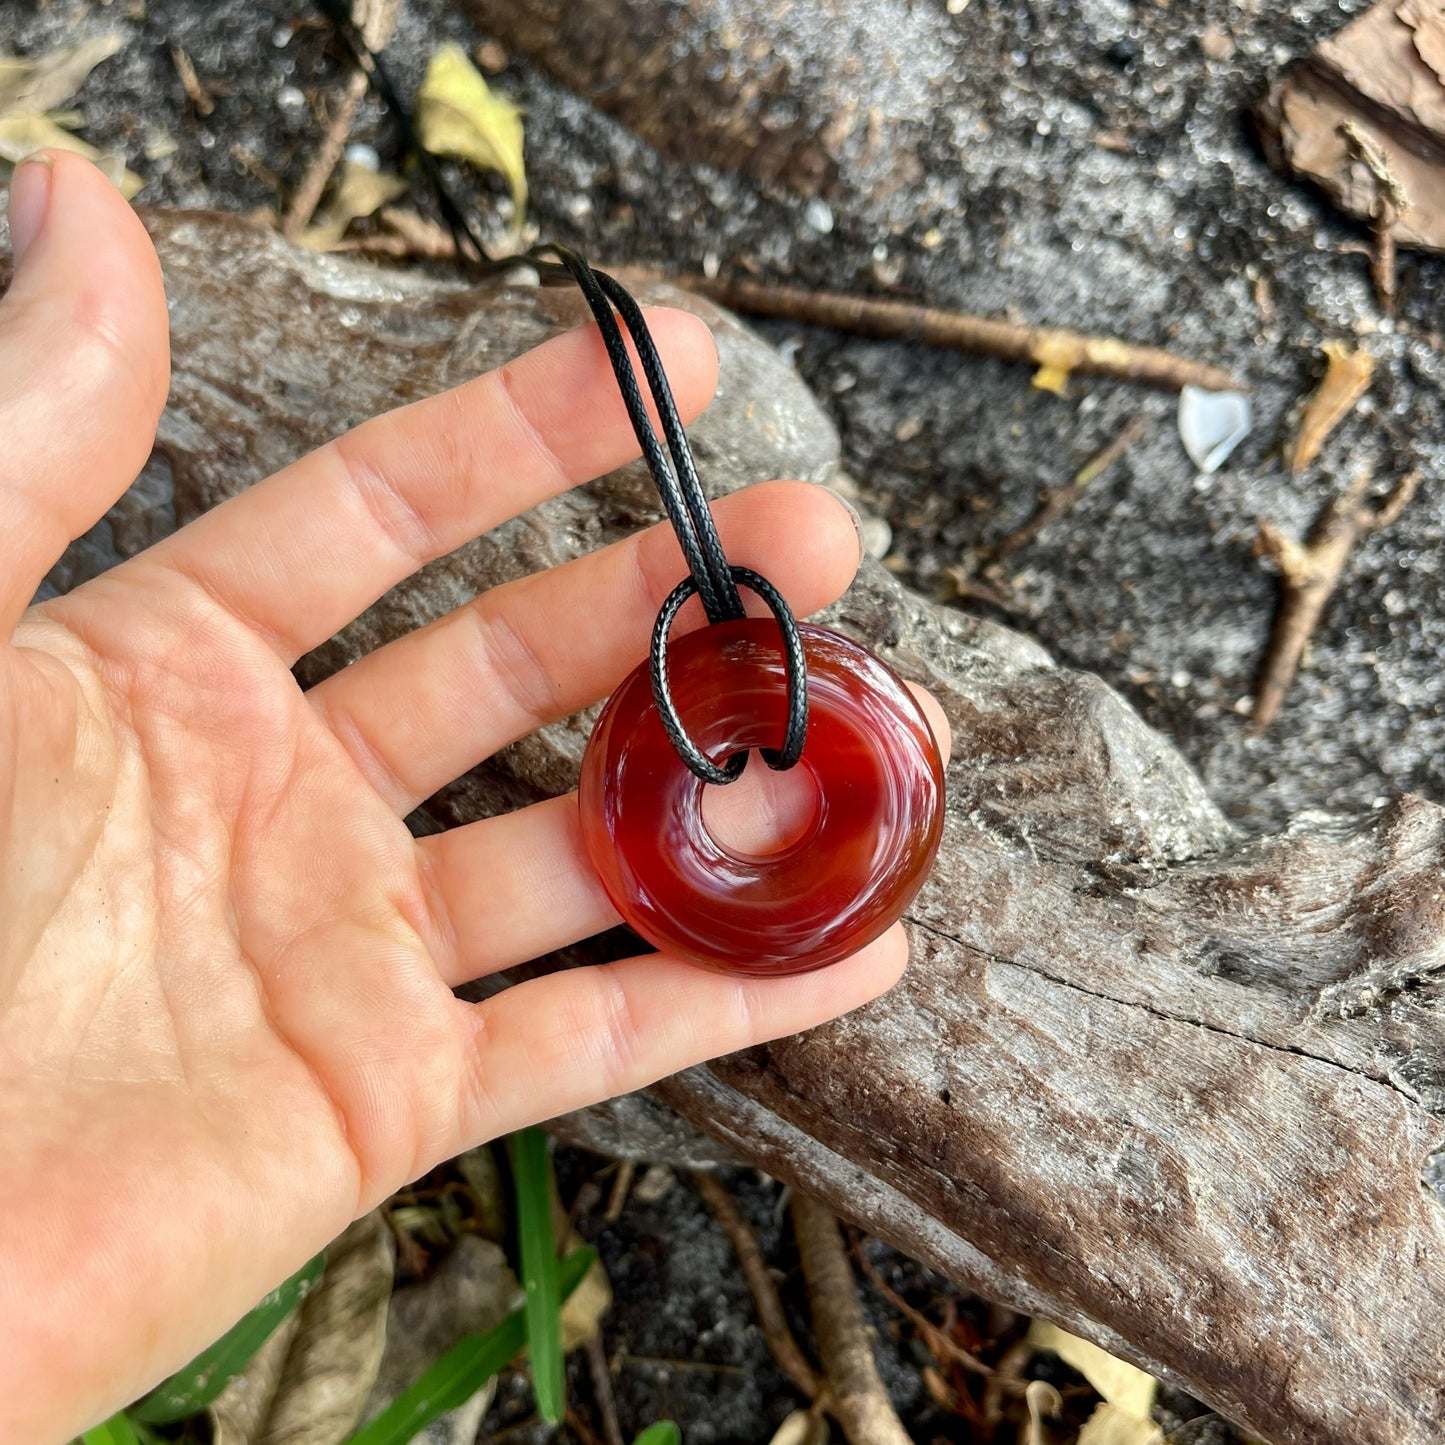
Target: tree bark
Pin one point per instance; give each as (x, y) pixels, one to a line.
(1179, 1090)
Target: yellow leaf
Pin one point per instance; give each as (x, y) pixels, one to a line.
(43, 82)
(1052, 378)
(1120, 1383)
(360, 192)
(24, 132)
(1347, 378)
(1109, 1425)
(583, 1309)
(458, 114)
(802, 1427)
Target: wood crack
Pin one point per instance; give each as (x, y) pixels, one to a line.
(1167, 1017)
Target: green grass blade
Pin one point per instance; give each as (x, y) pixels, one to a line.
(190, 1390)
(664, 1432)
(463, 1370)
(116, 1431)
(538, 1248)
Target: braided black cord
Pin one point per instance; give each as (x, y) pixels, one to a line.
(797, 726)
(711, 577)
(684, 466)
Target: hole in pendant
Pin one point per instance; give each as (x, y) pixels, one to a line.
(763, 812)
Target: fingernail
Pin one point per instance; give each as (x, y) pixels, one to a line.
(29, 200)
(857, 522)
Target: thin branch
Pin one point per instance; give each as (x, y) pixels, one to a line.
(308, 194)
(196, 92)
(1007, 1378)
(860, 1401)
(601, 1375)
(939, 1344)
(908, 321)
(1062, 499)
(1309, 573)
(785, 1349)
(621, 1188)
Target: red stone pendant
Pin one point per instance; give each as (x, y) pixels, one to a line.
(877, 815)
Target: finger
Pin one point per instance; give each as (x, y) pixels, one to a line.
(573, 1038)
(938, 723)
(84, 363)
(485, 879)
(422, 710)
(299, 555)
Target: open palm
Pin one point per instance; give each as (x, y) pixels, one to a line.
(227, 1023)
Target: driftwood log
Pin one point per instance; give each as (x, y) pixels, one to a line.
(1179, 1090)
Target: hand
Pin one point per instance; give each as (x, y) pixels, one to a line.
(227, 1025)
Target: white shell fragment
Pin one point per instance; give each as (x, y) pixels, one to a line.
(1212, 424)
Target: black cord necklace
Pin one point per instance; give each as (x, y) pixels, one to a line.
(711, 577)
(877, 808)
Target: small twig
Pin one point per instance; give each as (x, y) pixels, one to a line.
(908, 321)
(704, 1367)
(253, 165)
(860, 1401)
(601, 1375)
(1042, 1399)
(1008, 1376)
(308, 194)
(785, 1349)
(196, 93)
(1392, 200)
(1309, 573)
(940, 1346)
(621, 1188)
(962, 587)
(1058, 501)
(580, 1428)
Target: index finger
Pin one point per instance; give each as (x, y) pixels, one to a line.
(299, 555)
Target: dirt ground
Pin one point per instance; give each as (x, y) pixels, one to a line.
(1092, 165)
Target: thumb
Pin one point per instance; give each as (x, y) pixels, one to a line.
(84, 364)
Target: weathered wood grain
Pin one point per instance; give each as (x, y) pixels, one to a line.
(1181, 1091)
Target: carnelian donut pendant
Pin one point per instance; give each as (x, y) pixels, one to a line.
(859, 861)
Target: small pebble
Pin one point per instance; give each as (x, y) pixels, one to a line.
(358, 153)
(819, 215)
(491, 56)
(1212, 424)
(290, 98)
(655, 1185)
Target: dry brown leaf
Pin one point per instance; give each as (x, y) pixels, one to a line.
(1365, 119)
(239, 1412)
(583, 1310)
(1119, 1382)
(472, 1290)
(1346, 379)
(43, 82)
(22, 133)
(333, 1361)
(360, 192)
(458, 114)
(1427, 19)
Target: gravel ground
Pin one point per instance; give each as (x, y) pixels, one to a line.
(1091, 164)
